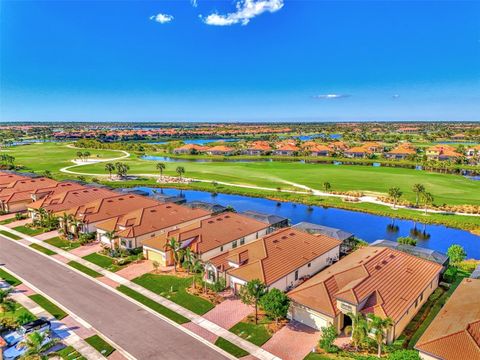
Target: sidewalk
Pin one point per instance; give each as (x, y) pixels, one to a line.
(61, 330)
(208, 325)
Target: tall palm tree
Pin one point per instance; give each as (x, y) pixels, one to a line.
(427, 200)
(111, 236)
(395, 193)
(327, 186)
(160, 167)
(180, 171)
(358, 329)
(188, 259)
(110, 168)
(36, 346)
(418, 189)
(76, 226)
(5, 294)
(196, 267)
(65, 219)
(174, 246)
(379, 327)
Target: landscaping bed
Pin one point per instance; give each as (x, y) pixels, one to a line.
(175, 289)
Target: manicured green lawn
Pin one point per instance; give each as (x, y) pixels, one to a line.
(163, 284)
(100, 345)
(69, 353)
(63, 243)
(84, 269)
(8, 221)
(49, 306)
(159, 308)
(102, 261)
(29, 231)
(230, 348)
(256, 334)
(10, 235)
(42, 249)
(9, 278)
(19, 313)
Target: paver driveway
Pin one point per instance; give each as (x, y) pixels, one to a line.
(228, 313)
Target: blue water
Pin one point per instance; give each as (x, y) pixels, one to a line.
(197, 141)
(170, 159)
(365, 226)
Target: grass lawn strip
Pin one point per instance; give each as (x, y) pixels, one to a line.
(69, 353)
(9, 278)
(256, 334)
(42, 249)
(163, 286)
(159, 308)
(10, 235)
(19, 313)
(84, 269)
(62, 243)
(29, 231)
(50, 307)
(100, 345)
(102, 261)
(230, 348)
(8, 221)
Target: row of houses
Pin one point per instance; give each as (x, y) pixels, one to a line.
(307, 261)
(291, 148)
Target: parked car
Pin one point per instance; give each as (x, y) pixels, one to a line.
(14, 352)
(39, 325)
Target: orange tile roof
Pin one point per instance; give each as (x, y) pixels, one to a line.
(220, 148)
(8, 178)
(358, 149)
(110, 207)
(71, 199)
(260, 145)
(403, 149)
(288, 147)
(150, 219)
(276, 255)
(192, 147)
(215, 231)
(455, 331)
(16, 196)
(372, 274)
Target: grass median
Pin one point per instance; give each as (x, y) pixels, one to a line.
(50, 307)
(10, 235)
(9, 278)
(84, 269)
(100, 345)
(42, 249)
(232, 349)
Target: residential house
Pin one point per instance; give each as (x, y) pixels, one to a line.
(7, 178)
(401, 152)
(442, 152)
(220, 150)
(189, 149)
(132, 228)
(357, 152)
(286, 150)
(258, 148)
(209, 238)
(369, 280)
(454, 334)
(347, 239)
(320, 150)
(275, 221)
(280, 260)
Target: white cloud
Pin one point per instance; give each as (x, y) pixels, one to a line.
(331, 96)
(246, 10)
(162, 18)
(194, 3)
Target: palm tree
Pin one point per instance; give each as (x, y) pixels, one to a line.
(188, 259)
(76, 226)
(9, 306)
(160, 167)
(427, 200)
(111, 236)
(379, 327)
(196, 267)
(86, 154)
(174, 246)
(358, 329)
(5, 294)
(395, 193)
(180, 171)
(109, 167)
(418, 189)
(65, 219)
(327, 186)
(79, 155)
(36, 345)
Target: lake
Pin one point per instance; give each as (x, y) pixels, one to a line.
(365, 226)
(196, 141)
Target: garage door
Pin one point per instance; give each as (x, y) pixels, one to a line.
(155, 256)
(308, 318)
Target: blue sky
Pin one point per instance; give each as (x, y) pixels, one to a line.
(253, 60)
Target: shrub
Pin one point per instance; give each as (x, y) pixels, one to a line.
(329, 334)
(450, 274)
(404, 355)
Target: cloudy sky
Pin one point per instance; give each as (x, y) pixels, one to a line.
(247, 60)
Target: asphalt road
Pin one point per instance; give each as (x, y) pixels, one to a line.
(140, 333)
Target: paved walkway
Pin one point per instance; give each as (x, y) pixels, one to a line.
(86, 249)
(228, 313)
(136, 269)
(293, 342)
(196, 319)
(18, 223)
(64, 332)
(48, 235)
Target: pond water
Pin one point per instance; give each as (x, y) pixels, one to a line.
(196, 141)
(170, 159)
(365, 226)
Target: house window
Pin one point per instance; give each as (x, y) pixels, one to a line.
(416, 303)
(421, 296)
(296, 275)
(221, 248)
(242, 241)
(309, 264)
(129, 244)
(234, 244)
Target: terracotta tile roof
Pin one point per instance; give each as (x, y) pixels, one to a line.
(455, 331)
(28, 184)
(403, 149)
(276, 255)
(320, 148)
(215, 231)
(71, 199)
(147, 220)
(7, 178)
(221, 148)
(366, 272)
(288, 147)
(17, 196)
(260, 146)
(188, 147)
(110, 207)
(358, 149)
